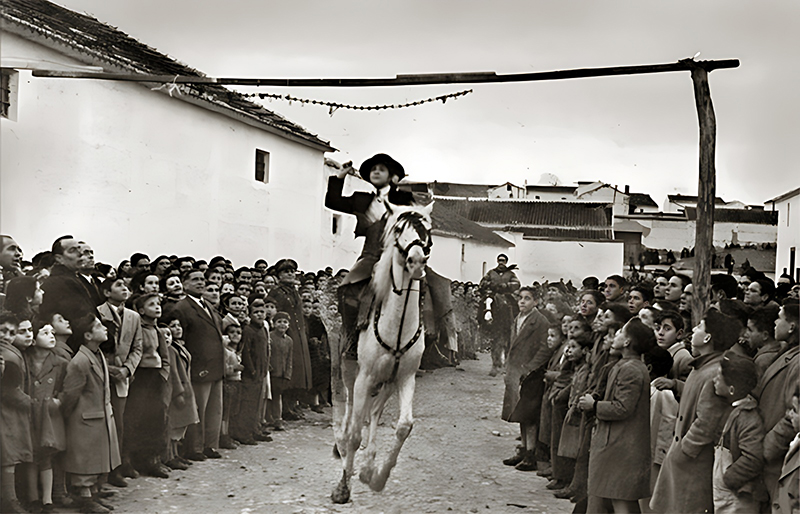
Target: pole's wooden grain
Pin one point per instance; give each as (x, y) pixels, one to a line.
(706, 192)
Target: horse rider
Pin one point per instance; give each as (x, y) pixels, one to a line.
(370, 211)
(501, 280)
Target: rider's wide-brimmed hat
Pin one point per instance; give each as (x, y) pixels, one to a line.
(395, 168)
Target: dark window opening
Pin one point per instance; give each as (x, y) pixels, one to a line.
(262, 166)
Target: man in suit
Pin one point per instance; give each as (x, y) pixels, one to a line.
(202, 334)
(65, 292)
(123, 359)
(89, 275)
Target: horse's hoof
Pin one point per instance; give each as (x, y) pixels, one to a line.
(366, 475)
(341, 494)
(493, 372)
(378, 483)
(336, 454)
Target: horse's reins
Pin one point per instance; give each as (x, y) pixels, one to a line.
(399, 351)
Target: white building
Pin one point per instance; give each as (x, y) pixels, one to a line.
(788, 208)
(193, 170)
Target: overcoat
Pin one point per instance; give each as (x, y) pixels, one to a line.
(180, 378)
(685, 482)
(789, 481)
(774, 393)
(128, 350)
(15, 408)
(202, 336)
(48, 424)
(527, 352)
(67, 294)
(744, 437)
(280, 357)
(619, 458)
(288, 300)
(92, 446)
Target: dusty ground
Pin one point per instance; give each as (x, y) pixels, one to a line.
(450, 463)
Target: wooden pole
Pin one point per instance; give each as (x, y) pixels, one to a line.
(400, 80)
(706, 193)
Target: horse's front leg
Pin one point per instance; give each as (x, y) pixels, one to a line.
(343, 403)
(352, 435)
(378, 404)
(405, 422)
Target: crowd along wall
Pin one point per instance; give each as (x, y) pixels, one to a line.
(129, 169)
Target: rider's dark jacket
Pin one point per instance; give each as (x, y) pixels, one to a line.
(358, 204)
(501, 280)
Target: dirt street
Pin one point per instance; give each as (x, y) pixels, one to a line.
(450, 463)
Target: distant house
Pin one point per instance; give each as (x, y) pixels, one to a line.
(132, 166)
(678, 203)
(594, 192)
(507, 191)
(552, 240)
(640, 202)
(787, 207)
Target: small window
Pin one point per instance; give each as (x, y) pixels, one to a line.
(9, 80)
(508, 187)
(262, 166)
(538, 197)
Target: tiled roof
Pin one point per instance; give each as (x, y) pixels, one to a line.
(641, 200)
(739, 216)
(104, 45)
(561, 220)
(448, 223)
(552, 189)
(460, 190)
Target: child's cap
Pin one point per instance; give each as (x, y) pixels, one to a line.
(270, 301)
(281, 315)
(228, 321)
(739, 372)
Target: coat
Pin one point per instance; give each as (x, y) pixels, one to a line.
(92, 445)
(67, 294)
(202, 336)
(619, 458)
(15, 408)
(527, 352)
(288, 300)
(743, 435)
(685, 482)
(357, 204)
(280, 357)
(774, 393)
(128, 350)
(183, 411)
(785, 502)
(663, 413)
(255, 352)
(48, 423)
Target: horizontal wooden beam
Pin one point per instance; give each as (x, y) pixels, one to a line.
(403, 80)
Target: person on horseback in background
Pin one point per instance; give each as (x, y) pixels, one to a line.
(501, 280)
(500, 283)
(384, 173)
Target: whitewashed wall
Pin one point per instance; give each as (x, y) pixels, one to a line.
(128, 169)
(788, 234)
(540, 260)
(463, 259)
(679, 234)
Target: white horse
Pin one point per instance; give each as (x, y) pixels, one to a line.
(389, 347)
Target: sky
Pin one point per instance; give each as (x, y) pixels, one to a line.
(640, 131)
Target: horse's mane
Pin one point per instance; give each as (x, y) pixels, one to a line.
(382, 272)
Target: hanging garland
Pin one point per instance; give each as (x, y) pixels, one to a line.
(334, 106)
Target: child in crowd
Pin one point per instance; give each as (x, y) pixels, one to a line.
(663, 412)
(555, 343)
(62, 331)
(684, 483)
(619, 462)
(563, 465)
(232, 383)
(15, 405)
(280, 363)
(148, 402)
(669, 334)
(182, 407)
(759, 337)
(255, 359)
(47, 371)
(739, 454)
(92, 447)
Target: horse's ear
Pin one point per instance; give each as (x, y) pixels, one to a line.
(428, 209)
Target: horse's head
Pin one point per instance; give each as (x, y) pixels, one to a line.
(406, 245)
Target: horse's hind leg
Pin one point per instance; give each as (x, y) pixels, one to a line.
(343, 401)
(376, 410)
(405, 422)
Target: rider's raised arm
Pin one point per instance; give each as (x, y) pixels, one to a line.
(333, 197)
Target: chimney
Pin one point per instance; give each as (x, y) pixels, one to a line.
(627, 189)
